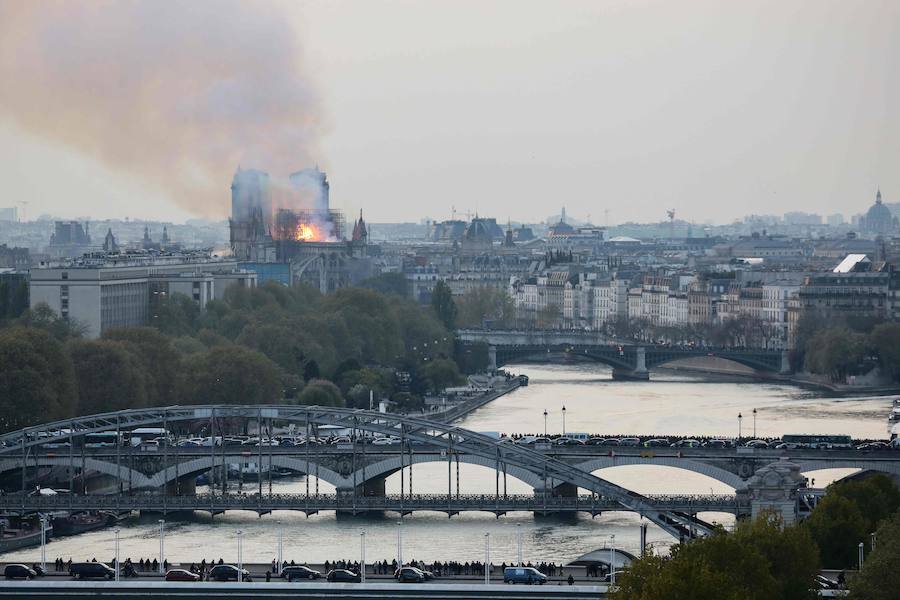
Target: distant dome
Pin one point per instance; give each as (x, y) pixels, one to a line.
(879, 218)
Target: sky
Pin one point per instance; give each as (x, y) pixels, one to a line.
(617, 110)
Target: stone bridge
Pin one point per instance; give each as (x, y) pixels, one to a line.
(628, 360)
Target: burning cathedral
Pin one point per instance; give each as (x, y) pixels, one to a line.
(290, 224)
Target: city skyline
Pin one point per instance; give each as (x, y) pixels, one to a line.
(413, 109)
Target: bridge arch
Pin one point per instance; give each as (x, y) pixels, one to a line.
(122, 473)
(711, 471)
(888, 467)
(391, 465)
(607, 355)
(205, 463)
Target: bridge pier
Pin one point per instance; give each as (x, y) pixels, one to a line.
(492, 359)
(775, 488)
(639, 373)
(373, 488)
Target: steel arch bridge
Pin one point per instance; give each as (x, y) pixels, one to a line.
(23, 443)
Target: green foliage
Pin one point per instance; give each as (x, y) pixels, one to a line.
(836, 352)
(760, 560)
(880, 577)
(848, 513)
(885, 341)
(442, 373)
(37, 381)
(486, 303)
(175, 314)
(388, 283)
(320, 392)
(110, 374)
(229, 375)
(158, 358)
(13, 297)
(43, 317)
(443, 305)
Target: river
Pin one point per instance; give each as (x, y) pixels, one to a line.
(670, 404)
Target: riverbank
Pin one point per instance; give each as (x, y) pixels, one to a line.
(462, 409)
(723, 370)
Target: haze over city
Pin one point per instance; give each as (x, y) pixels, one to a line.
(504, 108)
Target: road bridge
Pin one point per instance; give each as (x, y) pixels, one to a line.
(403, 504)
(629, 360)
(546, 473)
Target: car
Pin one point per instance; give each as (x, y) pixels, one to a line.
(91, 570)
(409, 575)
(686, 444)
(630, 441)
(595, 441)
(17, 571)
(341, 439)
(227, 573)
(567, 441)
(717, 444)
(611, 442)
(181, 575)
(826, 584)
(385, 441)
(656, 442)
(343, 576)
(868, 447)
(540, 440)
(526, 575)
(299, 572)
(757, 444)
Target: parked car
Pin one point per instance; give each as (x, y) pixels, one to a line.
(385, 441)
(686, 444)
(873, 446)
(227, 573)
(343, 576)
(717, 444)
(611, 442)
(91, 570)
(567, 441)
(757, 444)
(826, 584)
(18, 571)
(181, 575)
(656, 442)
(526, 575)
(630, 441)
(299, 572)
(409, 575)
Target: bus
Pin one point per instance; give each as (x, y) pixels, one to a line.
(818, 440)
(145, 434)
(109, 439)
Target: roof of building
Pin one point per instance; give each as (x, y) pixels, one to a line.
(852, 262)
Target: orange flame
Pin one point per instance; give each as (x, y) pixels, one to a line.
(306, 233)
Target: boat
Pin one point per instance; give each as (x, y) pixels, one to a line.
(82, 522)
(16, 533)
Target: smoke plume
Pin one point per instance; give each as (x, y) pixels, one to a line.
(175, 93)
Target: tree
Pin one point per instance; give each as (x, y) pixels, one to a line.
(880, 577)
(442, 373)
(110, 376)
(837, 526)
(159, 359)
(320, 392)
(486, 302)
(230, 375)
(443, 305)
(388, 283)
(760, 560)
(37, 381)
(43, 317)
(885, 340)
(836, 352)
(175, 314)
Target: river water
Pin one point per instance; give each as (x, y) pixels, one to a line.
(670, 404)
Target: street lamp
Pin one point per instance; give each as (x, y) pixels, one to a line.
(162, 544)
(545, 422)
(240, 565)
(612, 560)
(740, 418)
(564, 419)
(280, 548)
(487, 558)
(519, 542)
(362, 556)
(754, 423)
(117, 554)
(44, 542)
(872, 545)
(861, 550)
(399, 543)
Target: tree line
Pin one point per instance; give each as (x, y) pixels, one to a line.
(263, 345)
(763, 559)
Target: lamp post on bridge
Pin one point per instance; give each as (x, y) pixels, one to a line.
(545, 422)
(564, 419)
(362, 556)
(754, 423)
(162, 545)
(740, 418)
(117, 554)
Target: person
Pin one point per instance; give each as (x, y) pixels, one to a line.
(571, 579)
(841, 580)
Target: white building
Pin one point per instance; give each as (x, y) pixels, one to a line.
(101, 293)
